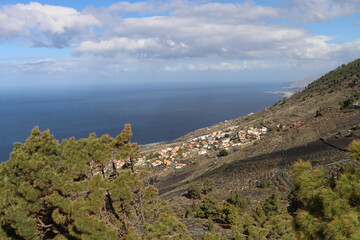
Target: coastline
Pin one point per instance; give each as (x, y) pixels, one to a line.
(284, 94)
(152, 144)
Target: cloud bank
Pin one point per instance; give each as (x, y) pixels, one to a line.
(45, 25)
(232, 36)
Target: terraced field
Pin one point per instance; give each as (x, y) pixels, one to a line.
(257, 177)
(316, 152)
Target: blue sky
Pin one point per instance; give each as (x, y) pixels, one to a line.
(68, 42)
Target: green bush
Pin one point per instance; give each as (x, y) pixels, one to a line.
(264, 184)
(223, 153)
(194, 191)
(238, 201)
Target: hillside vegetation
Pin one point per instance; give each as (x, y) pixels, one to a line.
(71, 190)
(325, 106)
(346, 76)
(299, 181)
(258, 170)
(67, 190)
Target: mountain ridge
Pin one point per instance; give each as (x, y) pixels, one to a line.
(322, 84)
(319, 106)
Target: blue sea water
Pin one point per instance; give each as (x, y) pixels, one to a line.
(157, 112)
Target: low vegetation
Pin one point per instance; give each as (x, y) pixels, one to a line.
(52, 190)
(224, 153)
(77, 189)
(331, 81)
(350, 101)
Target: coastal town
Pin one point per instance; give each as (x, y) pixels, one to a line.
(216, 142)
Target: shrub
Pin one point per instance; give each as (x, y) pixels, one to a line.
(194, 191)
(238, 201)
(224, 153)
(264, 184)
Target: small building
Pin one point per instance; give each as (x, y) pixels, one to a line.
(119, 164)
(202, 151)
(299, 123)
(226, 140)
(264, 130)
(356, 105)
(180, 165)
(156, 163)
(167, 162)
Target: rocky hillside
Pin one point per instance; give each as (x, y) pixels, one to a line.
(325, 106)
(325, 109)
(315, 125)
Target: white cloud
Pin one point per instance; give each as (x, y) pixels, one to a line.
(47, 65)
(112, 46)
(172, 37)
(229, 12)
(322, 10)
(54, 23)
(142, 7)
(168, 37)
(228, 31)
(317, 48)
(173, 68)
(231, 36)
(222, 66)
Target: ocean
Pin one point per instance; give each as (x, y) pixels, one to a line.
(157, 111)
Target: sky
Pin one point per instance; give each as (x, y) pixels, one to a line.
(67, 42)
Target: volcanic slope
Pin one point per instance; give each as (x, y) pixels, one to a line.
(327, 107)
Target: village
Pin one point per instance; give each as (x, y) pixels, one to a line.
(215, 143)
(212, 143)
